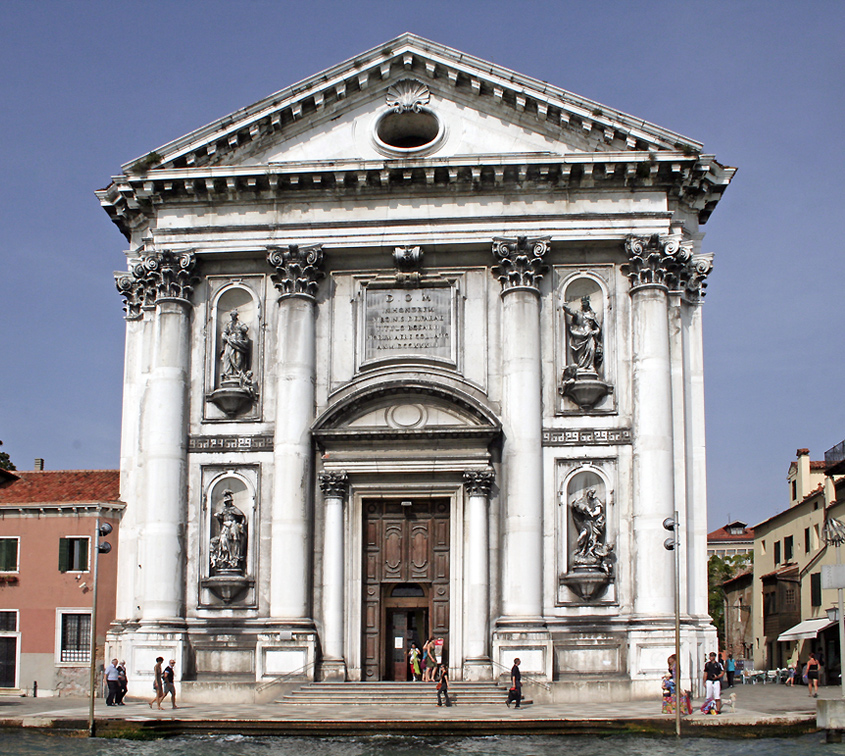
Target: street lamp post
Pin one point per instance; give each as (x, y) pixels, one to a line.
(99, 548)
(673, 543)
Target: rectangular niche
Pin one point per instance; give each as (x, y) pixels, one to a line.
(400, 324)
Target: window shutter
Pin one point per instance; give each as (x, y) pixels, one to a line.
(63, 555)
(83, 554)
(8, 554)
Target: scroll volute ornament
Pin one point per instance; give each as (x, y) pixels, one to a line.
(520, 261)
(154, 276)
(657, 259)
(299, 270)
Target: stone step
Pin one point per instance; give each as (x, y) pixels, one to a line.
(394, 694)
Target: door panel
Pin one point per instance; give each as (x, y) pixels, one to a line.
(8, 659)
(407, 544)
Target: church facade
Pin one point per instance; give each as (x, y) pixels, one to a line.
(413, 350)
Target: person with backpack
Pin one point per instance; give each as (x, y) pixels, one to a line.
(713, 674)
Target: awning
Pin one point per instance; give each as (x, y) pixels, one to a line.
(806, 629)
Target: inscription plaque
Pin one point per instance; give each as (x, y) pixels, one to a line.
(408, 323)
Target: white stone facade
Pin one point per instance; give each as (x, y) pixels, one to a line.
(414, 347)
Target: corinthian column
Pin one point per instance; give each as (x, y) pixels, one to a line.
(653, 267)
(165, 279)
(477, 576)
(520, 270)
(334, 486)
(298, 270)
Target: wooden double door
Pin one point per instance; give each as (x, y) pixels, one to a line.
(406, 581)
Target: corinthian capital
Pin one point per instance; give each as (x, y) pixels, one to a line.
(694, 275)
(520, 261)
(479, 482)
(334, 484)
(154, 276)
(298, 269)
(657, 259)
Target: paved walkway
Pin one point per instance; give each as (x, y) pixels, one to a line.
(759, 710)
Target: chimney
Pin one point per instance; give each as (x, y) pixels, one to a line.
(802, 477)
(39, 464)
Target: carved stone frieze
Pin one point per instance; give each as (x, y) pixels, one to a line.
(479, 482)
(154, 276)
(667, 261)
(520, 261)
(334, 484)
(587, 437)
(263, 443)
(407, 95)
(298, 269)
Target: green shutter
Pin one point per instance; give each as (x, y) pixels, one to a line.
(63, 555)
(8, 554)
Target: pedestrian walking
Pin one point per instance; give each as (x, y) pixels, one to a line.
(441, 676)
(158, 683)
(515, 692)
(123, 683)
(730, 670)
(813, 676)
(169, 676)
(112, 678)
(713, 674)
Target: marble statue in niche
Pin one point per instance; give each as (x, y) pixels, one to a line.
(591, 549)
(228, 547)
(584, 336)
(235, 356)
(589, 557)
(235, 390)
(584, 346)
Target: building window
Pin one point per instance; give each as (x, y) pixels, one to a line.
(75, 637)
(794, 490)
(787, 548)
(816, 589)
(806, 540)
(9, 554)
(8, 621)
(777, 552)
(73, 554)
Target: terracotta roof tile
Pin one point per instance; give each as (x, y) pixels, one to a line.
(55, 486)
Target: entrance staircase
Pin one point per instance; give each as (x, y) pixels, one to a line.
(395, 694)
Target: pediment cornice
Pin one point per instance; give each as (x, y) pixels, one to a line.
(512, 94)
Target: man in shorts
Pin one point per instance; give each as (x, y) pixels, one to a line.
(713, 673)
(169, 685)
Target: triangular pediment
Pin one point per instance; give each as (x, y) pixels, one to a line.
(481, 109)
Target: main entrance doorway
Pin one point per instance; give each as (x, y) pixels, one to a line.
(406, 581)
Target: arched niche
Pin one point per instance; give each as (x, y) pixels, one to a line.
(230, 536)
(584, 341)
(236, 325)
(588, 550)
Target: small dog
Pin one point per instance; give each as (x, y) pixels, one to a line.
(732, 702)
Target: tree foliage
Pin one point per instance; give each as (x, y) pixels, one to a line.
(720, 569)
(5, 462)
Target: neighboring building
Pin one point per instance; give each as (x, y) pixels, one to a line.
(47, 522)
(414, 347)
(732, 539)
(739, 625)
(790, 617)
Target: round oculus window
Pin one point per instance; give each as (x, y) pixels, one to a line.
(408, 132)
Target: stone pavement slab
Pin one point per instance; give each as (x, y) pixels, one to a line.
(759, 710)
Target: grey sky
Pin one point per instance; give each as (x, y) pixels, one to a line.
(88, 86)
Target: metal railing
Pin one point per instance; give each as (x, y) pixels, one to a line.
(288, 676)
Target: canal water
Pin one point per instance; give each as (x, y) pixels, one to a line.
(36, 744)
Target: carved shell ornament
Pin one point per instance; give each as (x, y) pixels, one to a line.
(407, 95)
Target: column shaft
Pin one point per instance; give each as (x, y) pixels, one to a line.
(164, 432)
(522, 456)
(291, 531)
(477, 586)
(653, 450)
(333, 581)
